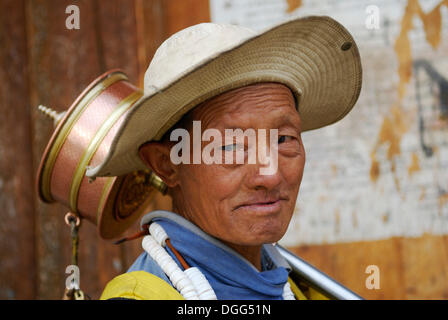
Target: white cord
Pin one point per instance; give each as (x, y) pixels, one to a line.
(178, 278)
(196, 286)
(158, 233)
(191, 283)
(287, 292)
(203, 287)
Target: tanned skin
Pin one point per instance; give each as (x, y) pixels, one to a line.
(234, 202)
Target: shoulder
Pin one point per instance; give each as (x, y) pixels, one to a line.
(140, 285)
(145, 263)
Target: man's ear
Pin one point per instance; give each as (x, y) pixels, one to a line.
(156, 155)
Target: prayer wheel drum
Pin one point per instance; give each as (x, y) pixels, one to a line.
(81, 139)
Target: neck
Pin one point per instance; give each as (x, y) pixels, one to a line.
(251, 253)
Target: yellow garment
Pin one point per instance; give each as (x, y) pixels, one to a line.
(316, 295)
(141, 285)
(304, 292)
(295, 289)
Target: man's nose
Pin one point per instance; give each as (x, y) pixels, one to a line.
(264, 174)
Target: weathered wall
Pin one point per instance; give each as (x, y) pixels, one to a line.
(375, 187)
(42, 62)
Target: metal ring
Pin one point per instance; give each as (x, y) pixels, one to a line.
(70, 216)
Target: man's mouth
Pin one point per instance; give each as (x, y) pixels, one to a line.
(266, 205)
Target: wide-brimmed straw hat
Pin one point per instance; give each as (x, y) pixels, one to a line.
(316, 57)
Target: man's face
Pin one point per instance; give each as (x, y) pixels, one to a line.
(235, 202)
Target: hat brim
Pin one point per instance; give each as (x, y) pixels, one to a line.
(316, 57)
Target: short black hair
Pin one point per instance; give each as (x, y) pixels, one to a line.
(186, 122)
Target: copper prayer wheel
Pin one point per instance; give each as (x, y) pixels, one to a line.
(81, 139)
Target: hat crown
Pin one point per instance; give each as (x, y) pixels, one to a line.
(188, 48)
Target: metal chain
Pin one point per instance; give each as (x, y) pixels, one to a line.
(75, 240)
(73, 221)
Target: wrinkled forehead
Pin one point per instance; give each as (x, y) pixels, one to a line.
(253, 102)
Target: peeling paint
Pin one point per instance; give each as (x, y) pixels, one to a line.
(392, 131)
(422, 194)
(415, 164)
(443, 200)
(432, 25)
(374, 168)
(394, 126)
(334, 169)
(293, 5)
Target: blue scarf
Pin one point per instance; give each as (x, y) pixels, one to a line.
(230, 275)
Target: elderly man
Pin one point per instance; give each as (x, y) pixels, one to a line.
(217, 243)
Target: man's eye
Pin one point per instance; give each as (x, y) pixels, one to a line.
(232, 147)
(229, 147)
(282, 139)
